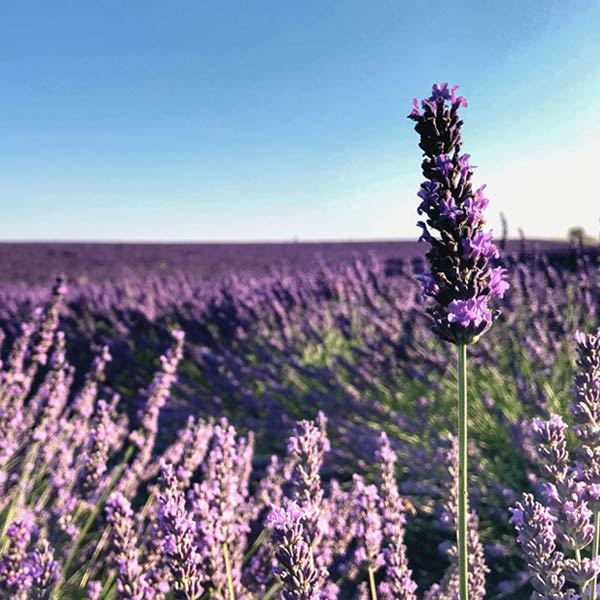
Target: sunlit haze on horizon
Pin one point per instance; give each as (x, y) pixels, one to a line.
(223, 121)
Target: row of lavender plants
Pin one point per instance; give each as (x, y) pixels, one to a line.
(93, 505)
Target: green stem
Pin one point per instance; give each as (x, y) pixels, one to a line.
(228, 572)
(255, 546)
(595, 548)
(584, 585)
(92, 562)
(272, 590)
(462, 473)
(372, 584)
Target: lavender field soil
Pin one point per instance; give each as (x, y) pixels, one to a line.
(179, 433)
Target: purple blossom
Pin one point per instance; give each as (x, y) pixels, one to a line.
(307, 446)
(16, 576)
(472, 312)
(221, 507)
(581, 571)
(551, 446)
(450, 210)
(575, 528)
(43, 337)
(564, 495)
(498, 284)
(45, 571)
(444, 164)
(398, 583)
(463, 165)
(83, 403)
(94, 589)
(368, 526)
(585, 409)
(480, 244)
(97, 448)
(441, 92)
(475, 205)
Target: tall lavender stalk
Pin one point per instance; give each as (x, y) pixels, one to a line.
(180, 532)
(368, 531)
(399, 584)
(132, 582)
(461, 279)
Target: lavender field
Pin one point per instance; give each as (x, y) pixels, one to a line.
(257, 421)
(89, 411)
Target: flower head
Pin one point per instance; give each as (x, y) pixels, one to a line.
(462, 279)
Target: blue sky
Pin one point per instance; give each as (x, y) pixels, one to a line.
(275, 120)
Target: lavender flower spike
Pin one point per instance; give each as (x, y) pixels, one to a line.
(462, 280)
(179, 532)
(132, 582)
(368, 530)
(585, 409)
(398, 584)
(45, 571)
(535, 528)
(296, 564)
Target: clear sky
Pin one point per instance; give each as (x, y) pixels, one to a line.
(276, 120)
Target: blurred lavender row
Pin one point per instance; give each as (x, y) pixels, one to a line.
(32, 263)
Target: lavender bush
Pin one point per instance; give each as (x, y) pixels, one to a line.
(569, 515)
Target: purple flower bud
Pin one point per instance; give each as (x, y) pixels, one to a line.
(581, 571)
